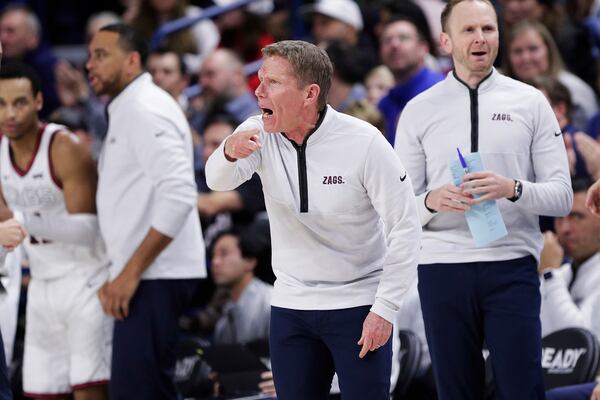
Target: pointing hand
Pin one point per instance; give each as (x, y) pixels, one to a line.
(242, 144)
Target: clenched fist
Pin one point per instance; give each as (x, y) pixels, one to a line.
(12, 234)
(242, 144)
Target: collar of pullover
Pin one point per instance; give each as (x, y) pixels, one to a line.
(486, 83)
(320, 128)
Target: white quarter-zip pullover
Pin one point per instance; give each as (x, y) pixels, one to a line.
(514, 129)
(344, 225)
(146, 179)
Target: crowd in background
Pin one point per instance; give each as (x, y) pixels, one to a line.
(384, 53)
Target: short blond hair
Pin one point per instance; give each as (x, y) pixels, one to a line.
(310, 64)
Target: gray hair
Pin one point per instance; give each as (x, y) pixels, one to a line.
(31, 20)
(310, 64)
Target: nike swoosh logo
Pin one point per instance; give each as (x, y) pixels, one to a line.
(557, 133)
(159, 134)
(402, 178)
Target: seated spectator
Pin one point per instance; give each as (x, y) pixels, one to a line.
(245, 31)
(339, 20)
(563, 20)
(244, 301)
(568, 289)
(403, 48)
(560, 99)
(247, 312)
(378, 83)
(21, 37)
(221, 210)
(350, 65)
(335, 20)
(195, 43)
(425, 13)
(222, 79)
(169, 72)
(531, 51)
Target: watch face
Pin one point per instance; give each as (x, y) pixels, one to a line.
(518, 189)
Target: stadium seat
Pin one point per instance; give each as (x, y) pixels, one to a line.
(569, 357)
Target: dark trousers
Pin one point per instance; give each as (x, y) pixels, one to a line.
(496, 302)
(308, 346)
(4, 381)
(144, 343)
(575, 392)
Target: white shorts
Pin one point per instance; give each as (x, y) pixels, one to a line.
(68, 338)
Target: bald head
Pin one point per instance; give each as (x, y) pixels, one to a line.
(222, 75)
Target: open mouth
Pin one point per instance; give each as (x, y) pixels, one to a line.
(267, 112)
(479, 53)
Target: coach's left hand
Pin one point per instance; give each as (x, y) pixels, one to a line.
(116, 295)
(376, 332)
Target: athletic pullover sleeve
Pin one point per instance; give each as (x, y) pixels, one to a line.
(222, 174)
(80, 229)
(412, 154)
(159, 147)
(391, 193)
(551, 193)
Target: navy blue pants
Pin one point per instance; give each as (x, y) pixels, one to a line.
(4, 381)
(144, 343)
(308, 346)
(575, 392)
(465, 304)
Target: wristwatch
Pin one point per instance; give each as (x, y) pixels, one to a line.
(518, 191)
(548, 275)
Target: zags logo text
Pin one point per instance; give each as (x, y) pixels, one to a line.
(501, 117)
(333, 180)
